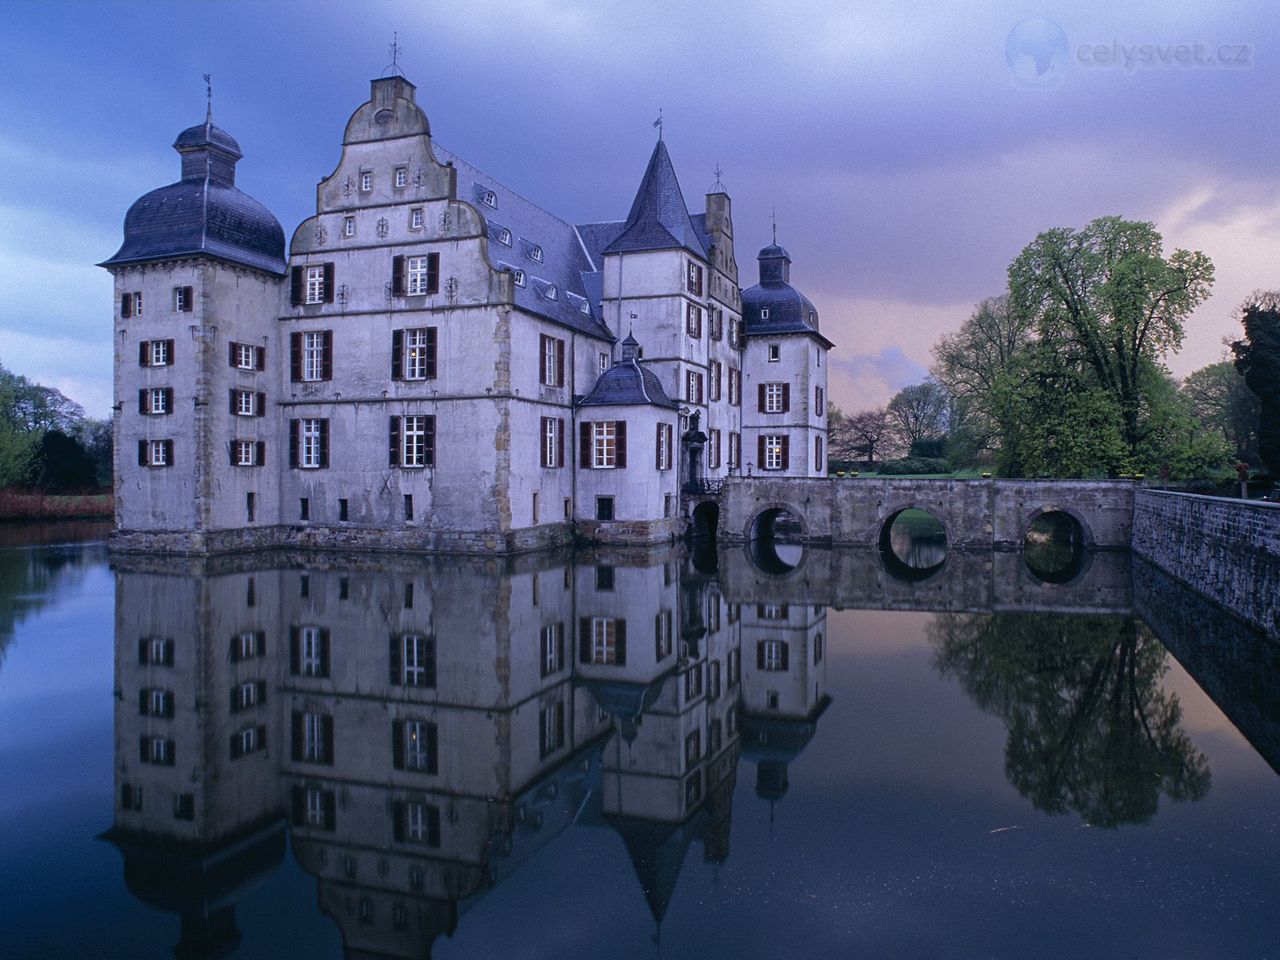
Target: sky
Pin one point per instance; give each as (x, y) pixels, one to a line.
(907, 157)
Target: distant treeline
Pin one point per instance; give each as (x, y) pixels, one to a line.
(47, 444)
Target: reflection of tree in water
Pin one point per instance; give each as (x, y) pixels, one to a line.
(1090, 730)
(30, 579)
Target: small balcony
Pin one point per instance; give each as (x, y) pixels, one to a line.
(704, 488)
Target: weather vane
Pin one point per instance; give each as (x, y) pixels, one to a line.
(395, 50)
(774, 215)
(658, 123)
(717, 187)
(208, 93)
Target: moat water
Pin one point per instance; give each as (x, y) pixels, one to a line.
(631, 755)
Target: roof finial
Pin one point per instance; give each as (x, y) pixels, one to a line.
(658, 123)
(208, 93)
(393, 68)
(775, 226)
(717, 187)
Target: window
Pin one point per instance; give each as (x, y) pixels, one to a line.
(155, 453)
(605, 643)
(715, 738)
(184, 806)
(717, 324)
(155, 353)
(344, 508)
(733, 669)
(247, 695)
(713, 448)
(734, 335)
(423, 275)
(692, 748)
(413, 354)
(314, 808)
(552, 446)
(184, 299)
(313, 738)
(773, 452)
(535, 253)
(662, 635)
(764, 313)
(310, 652)
(605, 577)
(415, 218)
(519, 276)
(735, 449)
(311, 356)
(735, 387)
(693, 279)
(693, 682)
(408, 507)
(775, 397)
(131, 797)
(489, 198)
(248, 645)
(693, 320)
(715, 376)
(304, 508)
(504, 237)
(413, 660)
(693, 386)
(693, 790)
(315, 285)
(417, 822)
(713, 680)
(245, 403)
(348, 226)
(155, 651)
(604, 362)
(772, 611)
(413, 441)
(551, 368)
(551, 648)
(155, 401)
(156, 750)
(154, 702)
(550, 728)
(401, 176)
(131, 304)
(817, 454)
(819, 408)
(663, 456)
(366, 181)
(604, 444)
(415, 746)
(309, 443)
(775, 351)
(248, 453)
(818, 648)
(244, 356)
(604, 509)
(248, 740)
(311, 284)
(771, 655)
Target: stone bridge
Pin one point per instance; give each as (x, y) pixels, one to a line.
(977, 514)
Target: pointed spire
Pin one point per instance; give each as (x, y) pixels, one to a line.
(208, 92)
(659, 218)
(775, 226)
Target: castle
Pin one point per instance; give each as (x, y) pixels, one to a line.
(439, 364)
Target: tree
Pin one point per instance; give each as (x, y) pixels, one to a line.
(62, 465)
(870, 431)
(1089, 728)
(1258, 360)
(918, 412)
(1222, 401)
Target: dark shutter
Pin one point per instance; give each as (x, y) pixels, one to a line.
(657, 447)
(433, 273)
(560, 442)
(293, 443)
(393, 442)
(584, 640)
(295, 651)
(760, 655)
(143, 753)
(397, 353)
(260, 460)
(433, 743)
(295, 286)
(329, 803)
(786, 398)
(398, 817)
(324, 652)
(786, 452)
(231, 353)
(760, 399)
(328, 283)
(231, 452)
(584, 445)
(396, 649)
(168, 399)
(620, 642)
(143, 703)
(397, 276)
(298, 806)
(169, 350)
(142, 652)
(786, 655)
(397, 744)
(235, 652)
(431, 352)
(298, 735)
(326, 366)
(429, 439)
(188, 299)
(237, 748)
(126, 305)
(560, 644)
(144, 354)
(260, 357)
(260, 405)
(142, 453)
(760, 452)
(142, 402)
(621, 427)
(326, 727)
(261, 688)
(559, 363)
(295, 357)
(168, 452)
(324, 443)
(232, 396)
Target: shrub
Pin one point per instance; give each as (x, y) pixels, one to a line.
(914, 465)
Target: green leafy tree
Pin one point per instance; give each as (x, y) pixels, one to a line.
(1110, 306)
(1222, 401)
(1090, 730)
(1258, 359)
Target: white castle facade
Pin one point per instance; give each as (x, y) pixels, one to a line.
(437, 363)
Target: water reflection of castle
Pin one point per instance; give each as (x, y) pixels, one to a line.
(424, 727)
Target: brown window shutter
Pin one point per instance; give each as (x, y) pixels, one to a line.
(168, 399)
(559, 363)
(144, 354)
(328, 283)
(396, 643)
(657, 447)
(542, 442)
(324, 443)
(294, 426)
(584, 639)
(760, 399)
(231, 353)
(261, 459)
(429, 441)
(397, 276)
(295, 357)
(786, 452)
(760, 452)
(260, 405)
(126, 305)
(786, 398)
(431, 352)
(143, 407)
(142, 453)
(433, 748)
(295, 286)
(397, 741)
(397, 353)
(326, 372)
(584, 445)
(433, 273)
(168, 453)
(188, 299)
(393, 444)
(560, 443)
(326, 729)
(231, 451)
(542, 358)
(621, 460)
(620, 641)
(169, 351)
(260, 357)
(231, 397)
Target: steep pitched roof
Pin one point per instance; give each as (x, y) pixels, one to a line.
(659, 219)
(627, 382)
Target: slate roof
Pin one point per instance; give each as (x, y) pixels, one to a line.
(790, 311)
(555, 286)
(659, 219)
(627, 382)
(203, 213)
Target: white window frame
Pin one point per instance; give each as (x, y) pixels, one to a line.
(773, 398)
(348, 226)
(604, 641)
(775, 353)
(313, 356)
(735, 440)
(246, 453)
(315, 808)
(416, 823)
(552, 648)
(247, 695)
(520, 278)
(416, 218)
(417, 345)
(551, 442)
(157, 453)
(604, 362)
(246, 403)
(713, 447)
(413, 440)
(156, 650)
(156, 400)
(693, 386)
(313, 737)
(249, 740)
(735, 386)
(413, 659)
(549, 717)
(604, 445)
(772, 452)
(310, 434)
(180, 299)
(159, 750)
(366, 181)
(772, 655)
(417, 746)
(402, 176)
(664, 447)
(416, 276)
(158, 353)
(549, 351)
(315, 284)
(159, 702)
(247, 645)
(310, 651)
(665, 641)
(246, 356)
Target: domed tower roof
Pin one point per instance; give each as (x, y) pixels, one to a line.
(774, 306)
(204, 212)
(627, 382)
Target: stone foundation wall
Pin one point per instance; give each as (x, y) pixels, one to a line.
(1223, 548)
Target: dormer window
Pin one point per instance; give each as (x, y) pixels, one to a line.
(490, 199)
(764, 313)
(550, 292)
(402, 176)
(504, 236)
(519, 278)
(535, 253)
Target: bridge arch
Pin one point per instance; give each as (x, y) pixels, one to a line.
(770, 555)
(1057, 544)
(766, 515)
(930, 562)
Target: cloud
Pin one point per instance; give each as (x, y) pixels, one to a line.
(866, 380)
